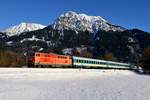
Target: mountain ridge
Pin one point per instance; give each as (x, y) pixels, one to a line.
(69, 20)
(23, 27)
(83, 22)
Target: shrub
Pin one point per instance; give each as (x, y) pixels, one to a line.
(145, 61)
(109, 57)
(11, 59)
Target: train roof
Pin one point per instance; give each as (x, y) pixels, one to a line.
(83, 58)
(52, 53)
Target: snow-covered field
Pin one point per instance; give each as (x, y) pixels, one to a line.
(72, 84)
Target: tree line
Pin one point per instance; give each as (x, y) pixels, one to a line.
(11, 59)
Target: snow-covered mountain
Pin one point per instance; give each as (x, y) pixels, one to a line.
(78, 35)
(23, 27)
(82, 22)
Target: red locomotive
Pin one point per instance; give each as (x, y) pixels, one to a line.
(49, 60)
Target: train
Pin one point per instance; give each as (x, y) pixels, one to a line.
(52, 60)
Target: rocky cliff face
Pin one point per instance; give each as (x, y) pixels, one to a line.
(82, 22)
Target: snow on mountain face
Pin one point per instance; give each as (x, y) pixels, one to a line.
(23, 27)
(82, 22)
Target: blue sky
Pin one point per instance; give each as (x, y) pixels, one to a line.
(127, 13)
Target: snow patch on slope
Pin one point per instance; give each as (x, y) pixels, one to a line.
(32, 39)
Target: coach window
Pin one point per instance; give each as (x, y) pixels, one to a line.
(85, 61)
(93, 62)
(80, 61)
(90, 62)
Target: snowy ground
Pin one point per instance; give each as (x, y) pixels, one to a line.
(72, 84)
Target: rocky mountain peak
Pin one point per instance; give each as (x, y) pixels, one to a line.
(82, 22)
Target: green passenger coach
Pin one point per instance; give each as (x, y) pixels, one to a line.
(95, 63)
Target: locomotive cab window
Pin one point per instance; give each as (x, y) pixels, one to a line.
(38, 55)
